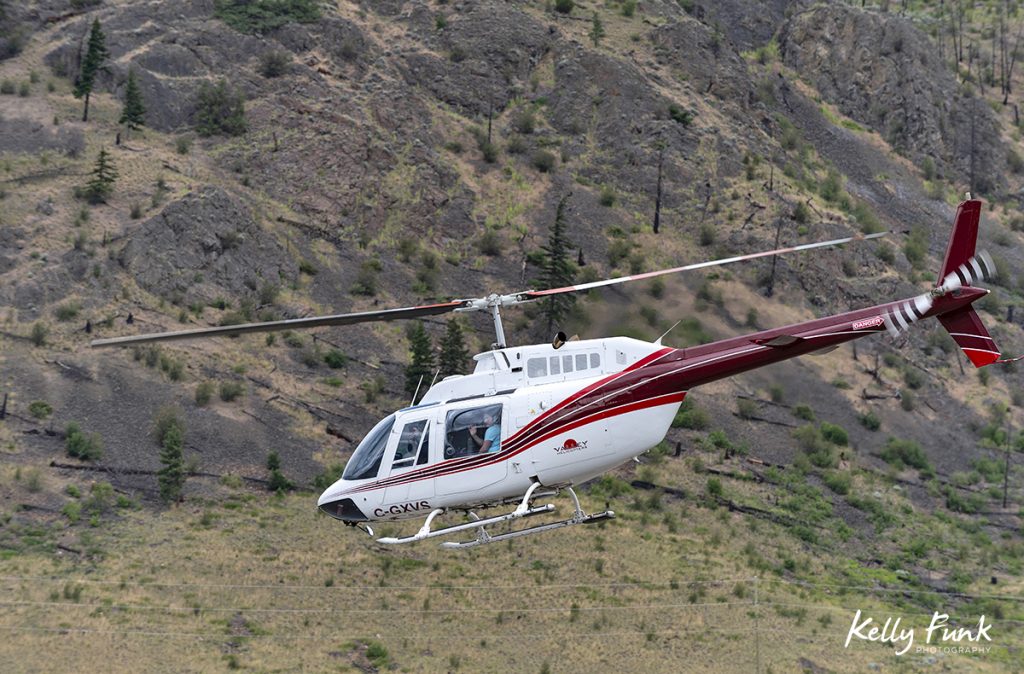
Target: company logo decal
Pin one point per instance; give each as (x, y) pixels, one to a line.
(571, 445)
(865, 323)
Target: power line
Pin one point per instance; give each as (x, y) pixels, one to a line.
(333, 636)
(532, 609)
(248, 609)
(675, 584)
(283, 586)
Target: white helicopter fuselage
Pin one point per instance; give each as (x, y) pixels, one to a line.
(424, 458)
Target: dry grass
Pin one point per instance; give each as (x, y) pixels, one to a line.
(279, 587)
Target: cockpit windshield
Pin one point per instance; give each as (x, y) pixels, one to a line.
(365, 461)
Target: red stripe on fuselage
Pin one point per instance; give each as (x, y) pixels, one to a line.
(517, 438)
(502, 456)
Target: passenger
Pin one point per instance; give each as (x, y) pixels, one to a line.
(491, 441)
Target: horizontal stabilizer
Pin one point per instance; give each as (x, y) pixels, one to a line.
(966, 328)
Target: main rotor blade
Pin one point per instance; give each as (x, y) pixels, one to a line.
(536, 294)
(288, 324)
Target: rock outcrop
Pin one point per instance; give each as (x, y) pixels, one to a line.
(881, 71)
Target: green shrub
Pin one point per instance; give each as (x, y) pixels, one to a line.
(39, 334)
(1014, 161)
(220, 110)
(564, 6)
(516, 145)
(72, 510)
(274, 63)
(366, 280)
(907, 400)
(746, 408)
(819, 452)
(229, 390)
(714, 487)
(870, 421)
(524, 121)
(801, 214)
(7, 87)
(67, 311)
(913, 378)
(904, 452)
(40, 409)
(81, 446)
(607, 196)
(928, 168)
(203, 393)
(543, 161)
(335, 359)
(915, 248)
(490, 243)
(377, 655)
(839, 482)
(680, 115)
(331, 475)
(831, 188)
(262, 16)
(835, 434)
(690, 416)
(803, 412)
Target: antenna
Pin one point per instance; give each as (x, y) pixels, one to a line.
(415, 395)
(658, 340)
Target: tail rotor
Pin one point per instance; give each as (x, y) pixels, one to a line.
(899, 318)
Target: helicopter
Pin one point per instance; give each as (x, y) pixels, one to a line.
(533, 421)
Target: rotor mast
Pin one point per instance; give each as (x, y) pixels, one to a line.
(492, 304)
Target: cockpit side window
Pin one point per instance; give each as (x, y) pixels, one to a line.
(468, 431)
(365, 461)
(409, 444)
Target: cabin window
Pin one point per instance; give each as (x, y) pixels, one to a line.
(365, 461)
(537, 367)
(566, 363)
(413, 435)
(424, 448)
(555, 365)
(581, 361)
(595, 360)
(467, 431)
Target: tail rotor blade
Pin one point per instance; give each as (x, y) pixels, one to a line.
(978, 268)
(900, 317)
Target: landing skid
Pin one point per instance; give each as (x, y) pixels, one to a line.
(523, 510)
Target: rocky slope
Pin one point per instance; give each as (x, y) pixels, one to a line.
(366, 179)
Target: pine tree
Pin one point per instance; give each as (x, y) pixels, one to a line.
(171, 477)
(453, 350)
(422, 364)
(95, 55)
(103, 177)
(133, 114)
(596, 29)
(557, 270)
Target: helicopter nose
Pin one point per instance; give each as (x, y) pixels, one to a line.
(338, 507)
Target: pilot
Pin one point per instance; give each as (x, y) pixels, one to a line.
(491, 441)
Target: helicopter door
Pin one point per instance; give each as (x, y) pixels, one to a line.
(411, 450)
(474, 430)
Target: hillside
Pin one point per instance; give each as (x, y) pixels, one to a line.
(396, 152)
